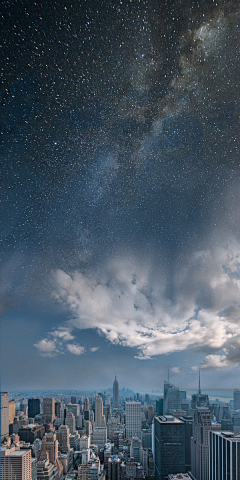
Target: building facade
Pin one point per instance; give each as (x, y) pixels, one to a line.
(133, 419)
(115, 393)
(4, 415)
(224, 456)
(169, 446)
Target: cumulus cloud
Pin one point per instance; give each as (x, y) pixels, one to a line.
(47, 348)
(131, 309)
(75, 348)
(63, 333)
(94, 349)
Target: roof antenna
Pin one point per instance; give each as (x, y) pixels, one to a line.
(168, 374)
(199, 387)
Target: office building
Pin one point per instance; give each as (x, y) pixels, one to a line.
(58, 406)
(171, 399)
(50, 445)
(146, 438)
(133, 419)
(236, 399)
(29, 433)
(63, 414)
(99, 437)
(115, 393)
(46, 470)
(4, 415)
(33, 407)
(15, 464)
(202, 424)
(150, 414)
(99, 417)
(188, 422)
(159, 407)
(12, 410)
(136, 449)
(63, 439)
(224, 456)
(74, 399)
(169, 440)
(70, 421)
(49, 409)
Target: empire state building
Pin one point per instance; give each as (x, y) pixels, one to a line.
(115, 393)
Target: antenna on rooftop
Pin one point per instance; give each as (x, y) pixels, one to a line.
(168, 374)
(199, 387)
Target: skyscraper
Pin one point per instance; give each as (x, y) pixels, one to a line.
(50, 445)
(224, 456)
(236, 399)
(133, 419)
(33, 407)
(70, 421)
(12, 410)
(169, 444)
(4, 415)
(115, 393)
(15, 464)
(100, 420)
(63, 439)
(49, 409)
(171, 397)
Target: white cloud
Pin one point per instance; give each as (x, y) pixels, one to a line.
(131, 308)
(75, 349)
(63, 333)
(94, 349)
(175, 369)
(47, 348)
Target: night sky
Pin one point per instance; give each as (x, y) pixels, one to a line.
(120, 225)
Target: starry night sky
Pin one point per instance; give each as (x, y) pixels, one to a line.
(120, 232)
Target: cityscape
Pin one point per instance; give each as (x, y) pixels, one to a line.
(117, 434)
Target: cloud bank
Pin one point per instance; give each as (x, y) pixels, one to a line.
(131, 308)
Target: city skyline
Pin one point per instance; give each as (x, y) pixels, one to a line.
(120, 251)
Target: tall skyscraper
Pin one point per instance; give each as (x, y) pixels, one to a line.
(133, 419)
(169, 444)
(171, 399)
(49, 409)
(4, 415)
(202, 423)
(33, 407)
(100, 420)
(63, 439)
(236, 399)
(115, 393)
(12, 410)
(70, 421)
(15, 464)
(74, 399)
(224, 456)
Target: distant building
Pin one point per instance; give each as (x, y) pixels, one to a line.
(150, 414)
(12, 410)
(100, 420)
(49, 409)
(74, 399)
(70, 421)
(50, 445)
(4, 415)
(63, 439)
(159, 407)
(115, 393)
(236, 399)
(171, 397)
(169, 446)
(133, 419)
(33, 407)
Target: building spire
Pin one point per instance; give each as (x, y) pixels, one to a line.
(199, 386)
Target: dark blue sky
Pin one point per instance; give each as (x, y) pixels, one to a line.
(120, 193)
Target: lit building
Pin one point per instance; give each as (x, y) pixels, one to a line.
(15, 464)
(133, 419)
(224, 456)
(33, 407)
(4, 415)
(169, 446)
(49, 409)
(115, 393)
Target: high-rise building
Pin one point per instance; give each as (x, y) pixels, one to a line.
(224, 456)
(58, 406)
(86, 404)
(100, 420)
(74, 399)
(115, 393)
(150, 413)
(70, 421)
(171, 397)
(169, 446)
(202, 424)
(15, 464)
(49, 409)
(50, 445)
(63, 439)
(12, 410)
(4, 415)
(133, 419)
(236, 399)
(188, 421)
(159, 407)
(33, 407)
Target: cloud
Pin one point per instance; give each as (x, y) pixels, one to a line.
(75, 349)
(63, 333)
(131, 308)
(175, 369)
(94, 349)
(47, 348)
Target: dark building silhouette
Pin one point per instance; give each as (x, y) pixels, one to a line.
(33, 407)
(115, 393)
(169, 446)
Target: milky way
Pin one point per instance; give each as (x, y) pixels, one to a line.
(120, 172)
